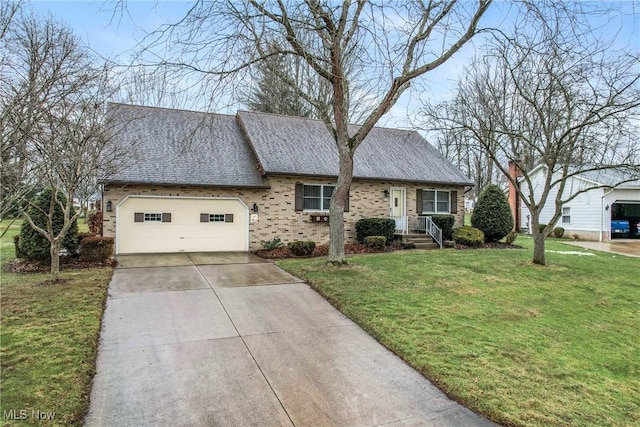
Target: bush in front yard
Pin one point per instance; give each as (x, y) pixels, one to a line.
(94, 221)
(468, 236)
(33, 245)
(558, 232)
(366, 227)
(301, 248)
(492, 214)
(96, 248)
(444, 223)
(375, 242)
(511, 237)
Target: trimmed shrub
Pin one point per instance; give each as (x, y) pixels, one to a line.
(375, 242)
(366, 227)
(301, 248)
(492, 214)
(511, 237)
(468, 236)
(34, 246)
(445, 223)
(96, 248)
(558, 232)
(82, 235)
(94, 221)
(272, 244)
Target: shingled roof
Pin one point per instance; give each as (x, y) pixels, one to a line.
(183, 147)
(300, 146)
(194, 148)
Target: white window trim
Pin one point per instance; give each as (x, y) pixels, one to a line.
(322, 186)
(435, 201)
(566, 215)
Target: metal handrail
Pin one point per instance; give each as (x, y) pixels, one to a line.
(420, 223)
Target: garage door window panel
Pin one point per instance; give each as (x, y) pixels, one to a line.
(216, 217)
(151, 217)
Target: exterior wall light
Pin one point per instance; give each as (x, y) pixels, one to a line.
(255, 208)
(109, 206)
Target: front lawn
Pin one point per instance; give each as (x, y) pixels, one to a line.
(518, 343)
(48, 342)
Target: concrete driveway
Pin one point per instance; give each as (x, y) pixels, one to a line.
(627, 247)
(232, 340)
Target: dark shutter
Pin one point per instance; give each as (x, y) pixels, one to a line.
(138, 217)
(166, 217)
(454, 202)
(204, 217)
(418, 201)
(299, 196)
(228, 217)
(346, 204)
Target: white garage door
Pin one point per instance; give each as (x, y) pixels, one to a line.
(181, 224)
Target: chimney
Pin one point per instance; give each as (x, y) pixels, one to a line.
(514, 200)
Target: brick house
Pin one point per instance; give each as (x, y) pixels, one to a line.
(210, 182)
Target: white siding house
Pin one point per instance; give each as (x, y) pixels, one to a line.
(590, 213)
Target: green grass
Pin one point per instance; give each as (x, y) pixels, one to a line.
(49, 340)
(521, 344)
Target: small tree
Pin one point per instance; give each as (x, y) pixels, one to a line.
(492, 214)
(45, 213)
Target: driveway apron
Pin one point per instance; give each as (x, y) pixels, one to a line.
(232, 340)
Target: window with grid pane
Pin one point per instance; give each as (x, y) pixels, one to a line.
(152, 217)
(566, 215)
(435, 201)
(317, 197)
(216, 217)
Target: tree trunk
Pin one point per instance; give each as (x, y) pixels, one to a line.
(538, 247)
(55, 259)
(336, 211)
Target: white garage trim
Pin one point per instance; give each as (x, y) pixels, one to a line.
(120, 204)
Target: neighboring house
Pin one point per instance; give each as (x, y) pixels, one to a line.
(590, 214)
(211, 182)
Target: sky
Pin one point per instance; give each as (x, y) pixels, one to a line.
(115, 35)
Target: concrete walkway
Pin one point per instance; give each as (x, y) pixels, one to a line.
(231, 340)
(627, 247)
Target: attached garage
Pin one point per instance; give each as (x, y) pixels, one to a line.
(149, 224)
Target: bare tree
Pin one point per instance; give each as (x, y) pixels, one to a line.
(54, 126)
(388, 45)
(559, 97)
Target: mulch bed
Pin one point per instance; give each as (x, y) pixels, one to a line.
(492, 245)
(20, 266)
(357, 248)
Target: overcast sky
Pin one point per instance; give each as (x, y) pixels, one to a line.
(114, 35)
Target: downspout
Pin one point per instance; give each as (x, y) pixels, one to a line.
(602, 211)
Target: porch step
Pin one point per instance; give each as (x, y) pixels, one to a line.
(420, 241)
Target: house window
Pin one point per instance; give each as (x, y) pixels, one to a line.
(435, 201)
(317, 197)
(152, 217)
(566, 215)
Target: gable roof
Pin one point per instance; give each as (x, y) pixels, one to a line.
(302, 146)
(183, 147)
(194, 148)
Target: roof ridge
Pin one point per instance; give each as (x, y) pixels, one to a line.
(177, 110)
(284, 116)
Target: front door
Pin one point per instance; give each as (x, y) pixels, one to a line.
(398, 208)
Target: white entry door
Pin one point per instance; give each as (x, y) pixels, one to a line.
(398, 208)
